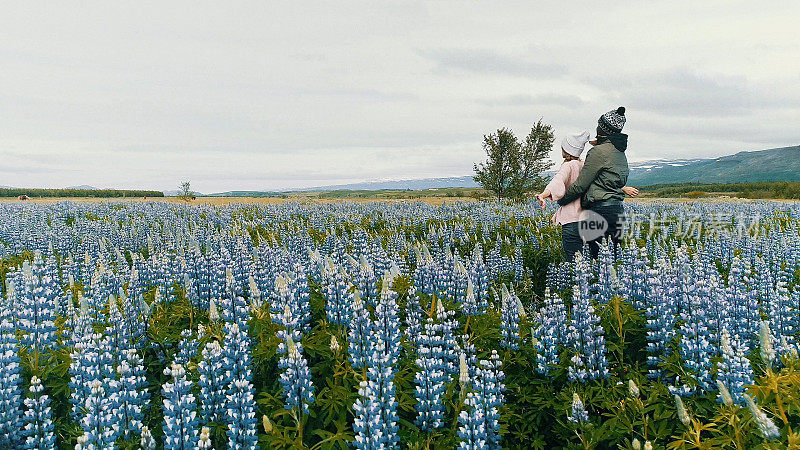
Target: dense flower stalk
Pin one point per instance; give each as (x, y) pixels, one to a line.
(213, 384)
(240, 402)
(180, 417)
(38, 429)
(10, 381)
(472, 432)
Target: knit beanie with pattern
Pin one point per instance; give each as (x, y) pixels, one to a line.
(612, 121)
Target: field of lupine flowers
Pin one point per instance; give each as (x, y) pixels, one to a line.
(404, 325)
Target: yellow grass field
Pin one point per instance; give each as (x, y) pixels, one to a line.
(235, 200)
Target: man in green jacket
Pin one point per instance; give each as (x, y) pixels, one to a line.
(599, 185)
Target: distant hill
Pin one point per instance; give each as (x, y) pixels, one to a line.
(242, 194)
(413, 185)
(778, 164)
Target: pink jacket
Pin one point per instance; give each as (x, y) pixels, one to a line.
(566, 175)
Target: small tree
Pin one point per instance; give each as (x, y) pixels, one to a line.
(186, 191)
(513, 169)
(533, 160)
(497, 173)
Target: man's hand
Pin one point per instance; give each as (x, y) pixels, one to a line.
(630, 191)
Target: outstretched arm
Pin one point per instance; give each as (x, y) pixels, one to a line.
(630, 191)
(588, 174)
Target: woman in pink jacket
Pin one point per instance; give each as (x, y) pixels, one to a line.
(568, 216)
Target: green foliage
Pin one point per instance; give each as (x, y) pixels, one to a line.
(12, 263)
(766, 190)
(513, 169)
(102, 193)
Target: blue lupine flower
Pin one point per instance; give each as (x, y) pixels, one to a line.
(376, 418)
(240, 405)
(132, 395)
(187, 348)
(338, 296)
(480, 276)
(509, 321)
(38, 429)
(585, 338)
(10, 381)
(213, 384)
(783, 318)
(180, 417)
(550, 334)
(376, 422)
(578, 413)
(414, 317)
(430, 380)
(84, 370)
(386, 329)
(734, 371)
(292, 315)
(489, 386)
(662, 303)
(470, 305)
(358, 335)
(296, 378)
(695, 344)
(147, 442)
(36, 317)
(98, 422)
(443, 335)
(472, 431)
(742, 299)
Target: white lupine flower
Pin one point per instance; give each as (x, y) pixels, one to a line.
(725, 394)
(633, 389)
(765, 425)
(765, 342)
(683, 415)
(213, 314)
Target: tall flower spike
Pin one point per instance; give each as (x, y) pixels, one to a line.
(472, 431)
(98, 423)
(509, 325)
(10, 381)
(430, 380)
(296, 378)
(240, 405)
(765, 425)
(683, 415)
(38, 428)
(180, 421)
(765, 342)
(147, 442)
(585, 336)
(132, 395)
(358, 336)
(213, 384)
(579, 413)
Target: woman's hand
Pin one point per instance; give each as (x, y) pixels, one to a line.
(630, 191)
(541, 198)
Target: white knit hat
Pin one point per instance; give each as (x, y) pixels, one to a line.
(574, 143)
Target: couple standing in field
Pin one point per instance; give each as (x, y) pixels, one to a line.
(590, 192)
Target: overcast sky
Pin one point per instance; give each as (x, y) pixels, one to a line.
(266, 95)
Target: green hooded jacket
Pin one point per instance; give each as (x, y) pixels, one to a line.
(604, 173)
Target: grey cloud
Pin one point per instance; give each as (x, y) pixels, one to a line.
(539, 99)
(682, 92)
(484, 61)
